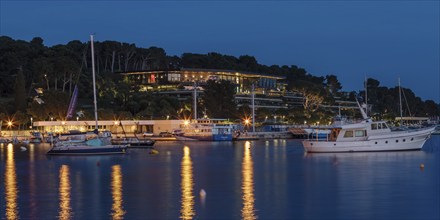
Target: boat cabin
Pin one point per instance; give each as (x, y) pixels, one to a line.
(358, 132)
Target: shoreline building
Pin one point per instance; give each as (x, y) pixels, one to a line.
(118, 128)
(269, 90)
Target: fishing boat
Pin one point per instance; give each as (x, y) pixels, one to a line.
(205, 130)
(368, 135)
(100, 143)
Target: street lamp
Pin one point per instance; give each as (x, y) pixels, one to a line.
(32, 119)
(47, 81)
(9, 126)
(246, 122)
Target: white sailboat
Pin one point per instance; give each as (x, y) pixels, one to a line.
(99, 144)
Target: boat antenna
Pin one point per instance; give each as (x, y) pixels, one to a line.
(94, 84)
(195, 100)
(366, 95)
(253, 107)
(400, 103)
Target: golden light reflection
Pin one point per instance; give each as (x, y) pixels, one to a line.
(31, 152)
(11, 189)
(187, 209)
(248, 210)
(117, 206)
(64, 190)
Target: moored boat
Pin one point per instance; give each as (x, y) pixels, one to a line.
(368, 135)
(78, 143)
(135, 142)
(95, 146)
(205, 130)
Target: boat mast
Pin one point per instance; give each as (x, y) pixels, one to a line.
(94, 86)
(195, 100)
(400, 103)
(366, 96)
(253, 107)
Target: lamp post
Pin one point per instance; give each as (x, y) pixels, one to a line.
(47, 81)
(32, 119)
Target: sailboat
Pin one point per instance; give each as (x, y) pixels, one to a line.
(100, 143)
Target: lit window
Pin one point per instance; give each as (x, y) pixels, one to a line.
(360, 133)
(348, 134)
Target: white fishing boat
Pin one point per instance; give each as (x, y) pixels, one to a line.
(205, 130)
(80, 143)
(368, 135)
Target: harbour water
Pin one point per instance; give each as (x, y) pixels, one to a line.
(265, 179)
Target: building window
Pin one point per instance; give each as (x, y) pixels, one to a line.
(173, 77)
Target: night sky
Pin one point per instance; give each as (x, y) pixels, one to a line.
(383, 40)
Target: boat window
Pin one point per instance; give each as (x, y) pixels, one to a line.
(360, 133)
(384, 126)
(373, 126)
(348, 134)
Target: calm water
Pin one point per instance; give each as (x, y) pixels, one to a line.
(271, 179)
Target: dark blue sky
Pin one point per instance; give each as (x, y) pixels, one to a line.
(379, 39)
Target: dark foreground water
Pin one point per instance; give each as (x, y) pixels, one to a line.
(270, 179)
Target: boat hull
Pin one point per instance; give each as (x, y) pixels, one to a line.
(135, 143)
(214, 137)
(402, 141)
(87, 150)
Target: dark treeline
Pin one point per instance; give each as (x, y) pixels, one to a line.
(27, 66)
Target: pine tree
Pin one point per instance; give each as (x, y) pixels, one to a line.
(20, 93)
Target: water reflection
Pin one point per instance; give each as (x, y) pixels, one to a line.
(11, 189)
(64, 190)
(248, 210)
(117, 207)
(187, 209)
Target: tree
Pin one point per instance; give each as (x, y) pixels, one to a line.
(20, 92)
(218, 99)
(55, 105)
(312, 93)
